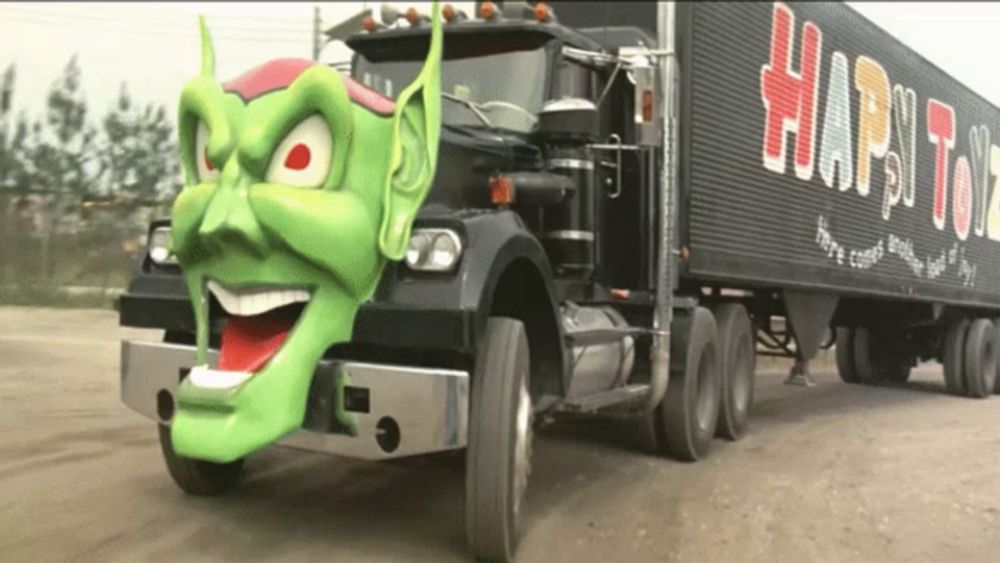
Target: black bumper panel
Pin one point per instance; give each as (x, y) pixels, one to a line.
(376, 324)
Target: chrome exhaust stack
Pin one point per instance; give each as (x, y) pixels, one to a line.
(665, 271)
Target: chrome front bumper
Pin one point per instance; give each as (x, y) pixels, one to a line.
(400, 411)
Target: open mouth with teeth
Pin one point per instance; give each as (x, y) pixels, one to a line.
(257, 325)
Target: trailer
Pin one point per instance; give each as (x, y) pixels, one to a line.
(558, 209)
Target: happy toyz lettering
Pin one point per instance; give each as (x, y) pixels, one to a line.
(791, 101)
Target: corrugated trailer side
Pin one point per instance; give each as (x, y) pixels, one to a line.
(788, 181)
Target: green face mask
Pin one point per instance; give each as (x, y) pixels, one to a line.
(299, 185)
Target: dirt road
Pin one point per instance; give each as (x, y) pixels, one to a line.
(835, 473)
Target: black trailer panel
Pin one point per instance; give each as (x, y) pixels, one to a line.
(773, 191)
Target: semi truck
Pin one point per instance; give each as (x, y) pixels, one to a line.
(630, 201)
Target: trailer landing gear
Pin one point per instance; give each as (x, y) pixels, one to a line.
(799, 374)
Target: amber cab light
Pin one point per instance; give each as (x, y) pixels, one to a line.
(542, 12)
(501, 190)
(647, 106)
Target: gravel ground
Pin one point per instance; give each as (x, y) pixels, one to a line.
(830, 473)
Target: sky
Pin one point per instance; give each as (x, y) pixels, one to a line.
(154, 46)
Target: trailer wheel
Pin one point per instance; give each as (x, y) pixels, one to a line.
(953, 357)
(876, 360)
(498, 458)
(980, 359)
(197, 477)
(737, 358)
(846, 368)
(690, 410)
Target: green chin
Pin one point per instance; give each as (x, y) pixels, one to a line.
(223, 425)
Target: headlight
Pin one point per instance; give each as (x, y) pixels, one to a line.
(159, 247)
(433, 250)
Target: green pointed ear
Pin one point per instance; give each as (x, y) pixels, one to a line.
(207, 52)
(416, 129)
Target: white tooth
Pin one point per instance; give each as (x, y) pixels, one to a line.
(249, 304)
(207, 378)
(256, 302)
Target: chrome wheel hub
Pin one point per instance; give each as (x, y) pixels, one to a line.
(522, 445)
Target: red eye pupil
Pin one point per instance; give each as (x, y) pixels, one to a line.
(208, 162)
(298, 158)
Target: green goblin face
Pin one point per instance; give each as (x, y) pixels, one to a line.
(299, 185)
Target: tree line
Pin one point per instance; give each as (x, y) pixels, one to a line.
(77, 189)
(130, 152)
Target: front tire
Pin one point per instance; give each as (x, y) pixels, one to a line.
(498, 458)
(197, 477)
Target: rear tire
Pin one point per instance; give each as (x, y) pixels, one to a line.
(738, 359)
(876, 360)
(498, 457)
(690, 410)
(197, 477)
(845, 356)
(953, 357)
(980, 359)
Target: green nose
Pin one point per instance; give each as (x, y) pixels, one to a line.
(229, 220)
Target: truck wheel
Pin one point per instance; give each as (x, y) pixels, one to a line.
(953, 357)
(845, 356)
(738, 358)
(980, 359)
(876, 360)
(690, 410)
(498, 458)
(996, 346)
(197, 477)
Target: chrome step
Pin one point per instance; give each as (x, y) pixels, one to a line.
(602, 335)
(596, 401)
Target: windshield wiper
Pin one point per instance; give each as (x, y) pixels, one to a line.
(473, 107)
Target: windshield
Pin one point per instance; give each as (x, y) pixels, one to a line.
(505, 88)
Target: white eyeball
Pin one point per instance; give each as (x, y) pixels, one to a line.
(207, 171)
(302, 159)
